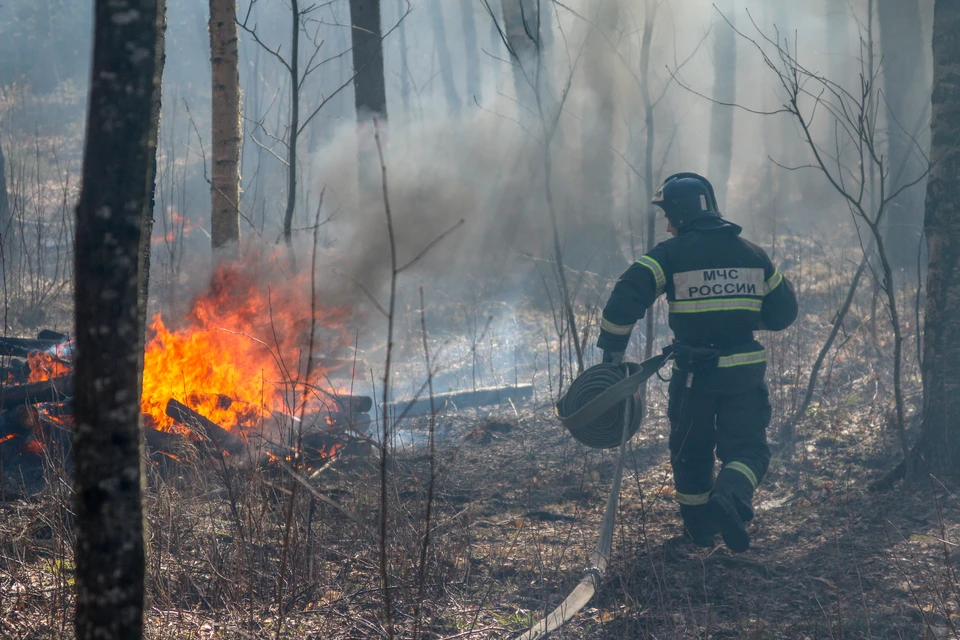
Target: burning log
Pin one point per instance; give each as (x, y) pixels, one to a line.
(34, 392)
(15, 435)
(35, 428)
(464, 399)
(204, 428)
(29, 430)
(20, 347)
(317, 451)
(36, 416)
(346, 404)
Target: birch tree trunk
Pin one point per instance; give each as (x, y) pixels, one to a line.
(227, 137)
(938, 450)
(115, 194)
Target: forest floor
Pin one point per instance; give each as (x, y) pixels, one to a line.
(516, 510)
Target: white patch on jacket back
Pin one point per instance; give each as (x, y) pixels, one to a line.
(717, 283)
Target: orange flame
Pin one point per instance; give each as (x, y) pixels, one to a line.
(9, 436)
(44, 366)
(239, 349)
(332, 452)
(60, 417)
(328, 453)
(181, 227)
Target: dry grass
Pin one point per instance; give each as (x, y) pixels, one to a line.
(515, 516)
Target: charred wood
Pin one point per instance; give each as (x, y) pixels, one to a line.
(52, 336)
(51, 390)
(203, 427)
(52, 424)
(463, 399)
(20, 347)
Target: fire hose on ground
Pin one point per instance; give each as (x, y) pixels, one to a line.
(602, 409)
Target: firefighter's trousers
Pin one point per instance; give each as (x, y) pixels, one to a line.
(731, 422)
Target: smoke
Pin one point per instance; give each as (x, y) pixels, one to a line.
(485, 163)
(472, 144)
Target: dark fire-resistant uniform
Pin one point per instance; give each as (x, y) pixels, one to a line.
(720, 289)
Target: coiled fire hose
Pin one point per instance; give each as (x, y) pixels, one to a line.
(592, 410)
(599, 403)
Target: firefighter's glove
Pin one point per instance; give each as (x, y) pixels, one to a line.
(612, 357)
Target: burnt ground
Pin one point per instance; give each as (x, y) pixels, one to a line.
(829, 558)
(516, 509)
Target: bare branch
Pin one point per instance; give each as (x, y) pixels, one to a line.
(363, 288)
(430, 246)
(253, 33)
(735, 105)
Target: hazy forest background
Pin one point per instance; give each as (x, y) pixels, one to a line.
(419, 223)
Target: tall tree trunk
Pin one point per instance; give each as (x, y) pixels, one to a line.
(907, 108)
(650, 17)
(45, 76)
(842, 54)
(595, 231)
(250, 109)
(370, 95)
(294, 124)
(496, 42)
(724, 90)
(147, 231)
(404, 69)
(781, 136)
(521, 26)
(8, 243)
(227, 136)
(938, 450)
(443, 52)
(368, 84)
(469, 25)
(114, 197)
(841, 51)
(547, 10)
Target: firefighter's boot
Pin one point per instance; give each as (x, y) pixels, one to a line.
(731, 525)
(698, 525)
(731, 507)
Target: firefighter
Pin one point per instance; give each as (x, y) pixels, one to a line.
(720, 289)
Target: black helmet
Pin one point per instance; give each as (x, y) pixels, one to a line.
(685, 197)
